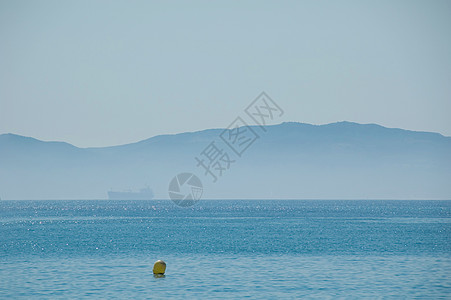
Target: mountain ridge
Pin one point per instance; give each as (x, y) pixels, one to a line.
(221, 129)
(342, 160)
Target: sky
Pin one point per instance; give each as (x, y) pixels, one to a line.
(100, 73)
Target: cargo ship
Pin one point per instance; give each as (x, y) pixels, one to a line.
(142, 194)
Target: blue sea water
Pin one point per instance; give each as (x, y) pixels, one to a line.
(226, 249)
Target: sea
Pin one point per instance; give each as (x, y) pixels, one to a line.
(234, 249)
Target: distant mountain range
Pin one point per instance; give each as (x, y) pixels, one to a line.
(287, 161)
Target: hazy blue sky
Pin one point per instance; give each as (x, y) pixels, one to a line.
(97, 73)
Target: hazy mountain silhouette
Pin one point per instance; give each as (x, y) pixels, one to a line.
(291, 160)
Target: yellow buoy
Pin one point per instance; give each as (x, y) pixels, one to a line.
(159, 267)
